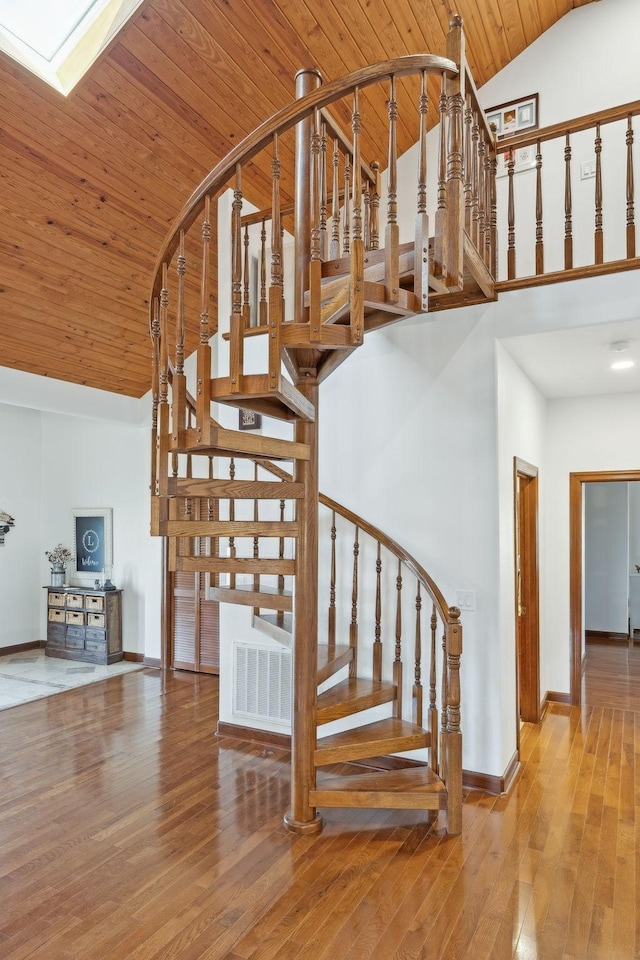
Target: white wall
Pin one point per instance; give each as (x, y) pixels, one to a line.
(606, 557)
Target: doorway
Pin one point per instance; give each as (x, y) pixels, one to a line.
(576, 565)
(525, 477)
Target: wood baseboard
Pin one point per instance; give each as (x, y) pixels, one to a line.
(281, 741)
(603, 636)
(553, 696)
(487, 783)
(151, 662)
(21, 647)
(134, 657)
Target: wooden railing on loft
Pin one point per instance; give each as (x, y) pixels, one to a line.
(581, 192)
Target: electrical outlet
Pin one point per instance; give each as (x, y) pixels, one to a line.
(587, 169)
(465, 599)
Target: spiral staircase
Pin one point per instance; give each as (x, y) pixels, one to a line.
(242, 506)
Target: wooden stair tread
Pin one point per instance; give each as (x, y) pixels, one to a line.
(351, 696)
(268, 623)
(269, 597)
(417, 788)
(381, 737)
(332, 658)
(235, 489)
(237, 442)
(254, 392)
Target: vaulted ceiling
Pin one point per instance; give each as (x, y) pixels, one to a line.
(90, 184)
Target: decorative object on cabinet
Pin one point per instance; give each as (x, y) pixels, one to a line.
(6, 522)
(84, 624)
(59, 557)
(92, 544)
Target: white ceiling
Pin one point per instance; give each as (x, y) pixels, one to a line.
(576, 362)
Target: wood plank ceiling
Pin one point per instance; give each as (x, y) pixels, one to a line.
(90, 184)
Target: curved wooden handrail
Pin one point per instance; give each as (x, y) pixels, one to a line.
(283, 120)
(399, 552)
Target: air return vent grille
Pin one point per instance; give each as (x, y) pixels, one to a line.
(262, 683)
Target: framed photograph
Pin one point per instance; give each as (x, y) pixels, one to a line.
(92, 538)
(515, 117)
(248, 420)
(524, 159)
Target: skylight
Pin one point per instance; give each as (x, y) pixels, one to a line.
(58, 40)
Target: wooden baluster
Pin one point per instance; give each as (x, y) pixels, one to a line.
(539, 234)
(346, 227)
(397, 661)
(315, 263)
(417, 684)
(324, 243)
(156, 508)
(276, 288)
(475, 168)
(441, 209)
(331, 631)
(568, 223)
(246, 302)
(334, 249)
(356, 283)
(280, 613)
(179, 384)
(236, 339)
(232, 517)
(392, 233)
(421, 244)
(203, 362)
(377, 643)
(631, 227)
(455, 89)
(163, 388)
(433, 707)
(511, 220)
(374, 204)
(262, 314)
(444, 719)
(486, 249)
(598, 237)
(353, 626)
(492, 261)
(453, 736)
(256, 540)
(482, 213)
(468, 164)
(366, 199)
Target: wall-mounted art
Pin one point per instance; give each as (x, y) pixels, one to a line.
(92, 539)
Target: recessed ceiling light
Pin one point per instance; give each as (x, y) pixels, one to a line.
(623, 364)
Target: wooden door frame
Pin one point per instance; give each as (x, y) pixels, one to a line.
(532, 693)
(576, 550)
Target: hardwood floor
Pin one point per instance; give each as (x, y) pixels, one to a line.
(128, 830)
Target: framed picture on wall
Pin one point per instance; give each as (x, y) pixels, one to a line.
(514, 117)
(92, 538)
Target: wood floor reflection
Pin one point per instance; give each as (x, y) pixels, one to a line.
(128, 830)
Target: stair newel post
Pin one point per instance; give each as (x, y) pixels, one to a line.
(315, 264)
(356, 283)
(598, 237)
(179, 384)
(511, 220)
(353, 626)
(236, 338)
(539, 230)
(203, 361)
(392, 231)
(276, 287)
(421, 248)
(453, 734)
(631, 227)
(397, 661)
(232, 517)
(377, 642)
(568, 222)
(374, 208)
(441, 209)
(331, 631)
(417, 684)
(306, 81)
(334, 249)
(455, 89)
(433, 707)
